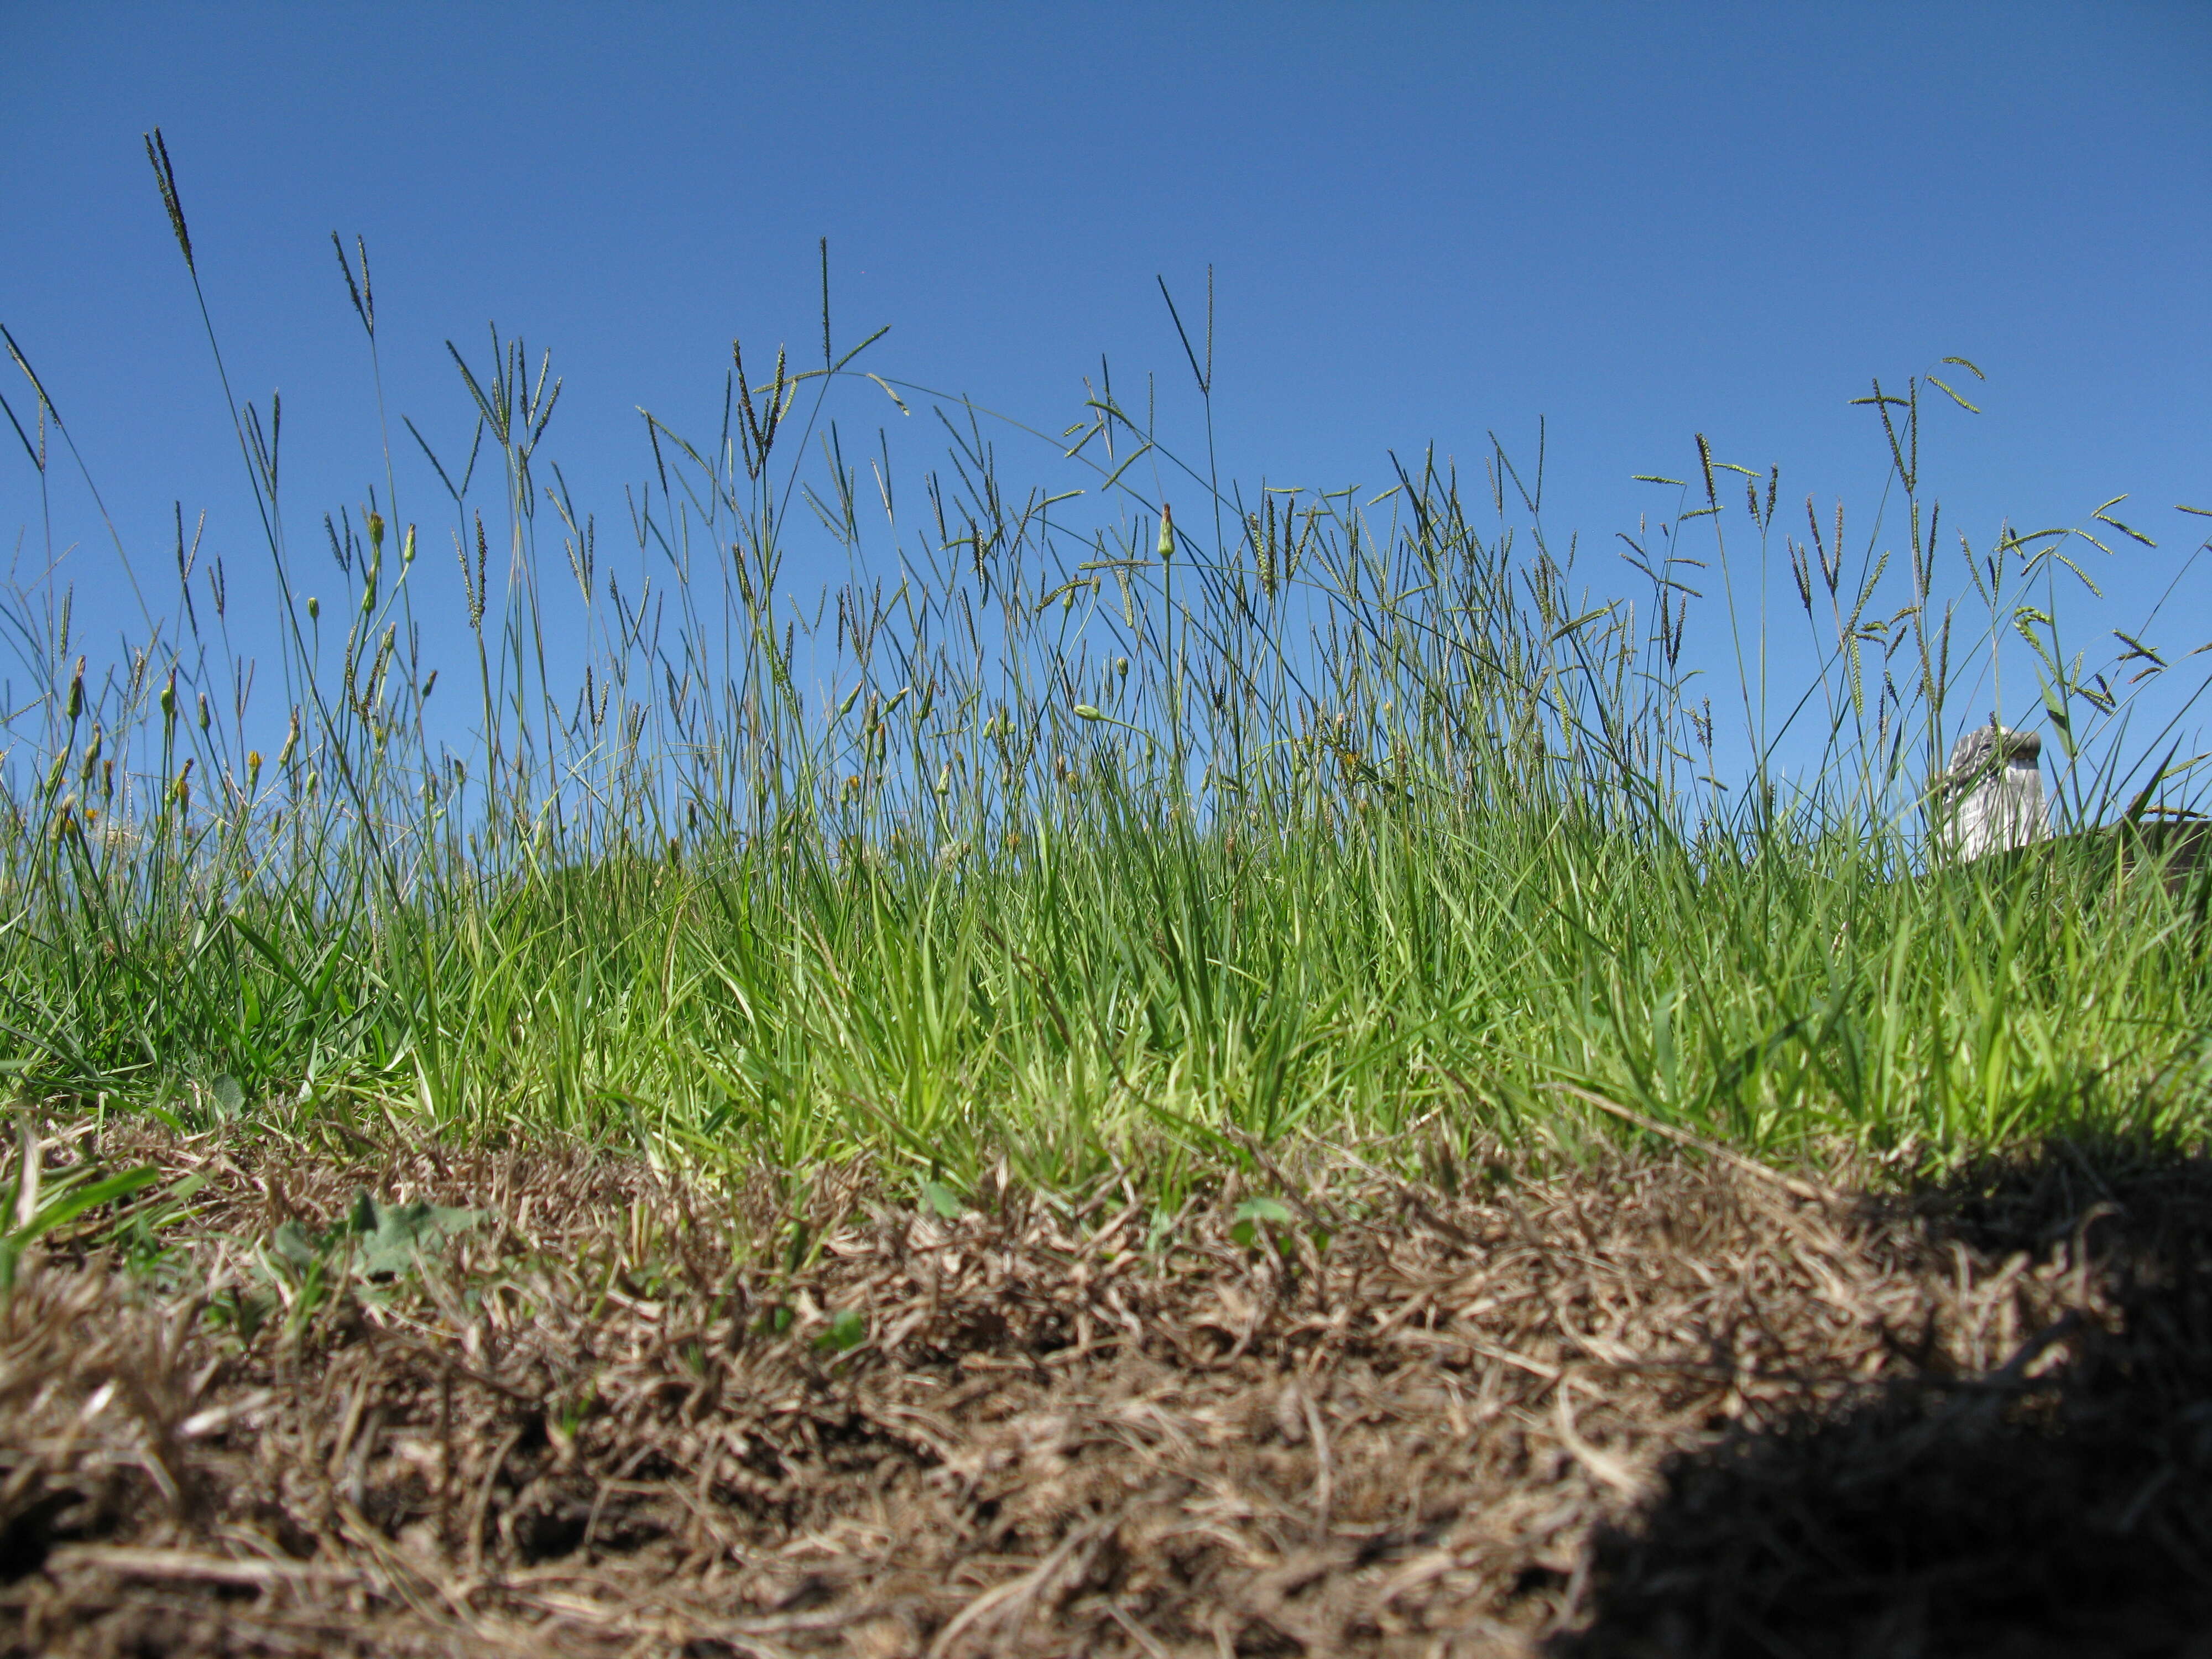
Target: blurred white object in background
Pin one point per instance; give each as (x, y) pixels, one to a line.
(1990, 799)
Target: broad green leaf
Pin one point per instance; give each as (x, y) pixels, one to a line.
(385, 1238)
(401, 1232)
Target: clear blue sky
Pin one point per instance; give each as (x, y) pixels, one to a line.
(1638, 220)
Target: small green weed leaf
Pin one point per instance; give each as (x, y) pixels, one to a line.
(229, 1096)
(847, 1331)
(942, 1199)
(295, 1246)
(401, 1232)
(385, 1238)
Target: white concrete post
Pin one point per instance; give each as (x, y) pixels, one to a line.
(1990, 799)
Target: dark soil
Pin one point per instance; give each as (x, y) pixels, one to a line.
(1653, 1408)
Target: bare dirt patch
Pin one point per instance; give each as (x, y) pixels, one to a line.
(1651, 1408)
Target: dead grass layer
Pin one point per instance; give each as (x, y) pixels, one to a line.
(1651, 1408)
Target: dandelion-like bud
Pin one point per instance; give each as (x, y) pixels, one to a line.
(1167, 532)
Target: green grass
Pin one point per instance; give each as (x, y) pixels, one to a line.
(1056, 837)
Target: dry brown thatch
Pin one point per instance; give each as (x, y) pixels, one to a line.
(1646, 1409)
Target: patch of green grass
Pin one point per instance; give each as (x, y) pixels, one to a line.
(1073, 841)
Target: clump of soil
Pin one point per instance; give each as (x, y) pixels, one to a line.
(1649, 1408)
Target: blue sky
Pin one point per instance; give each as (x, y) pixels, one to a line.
(1638, 221)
